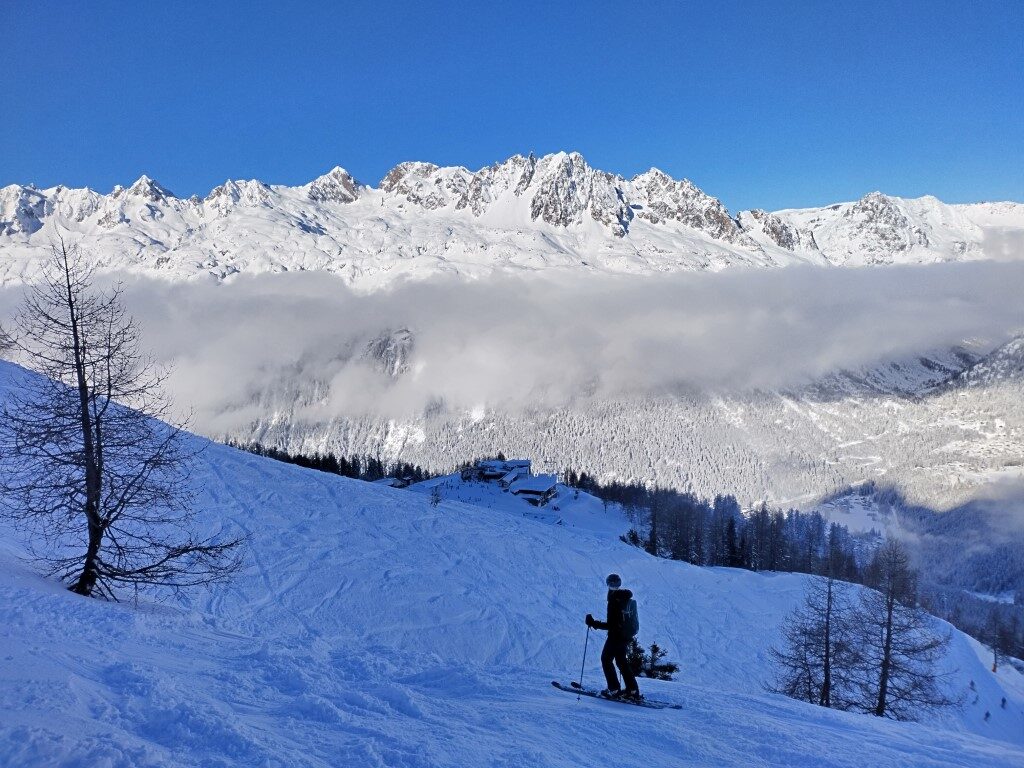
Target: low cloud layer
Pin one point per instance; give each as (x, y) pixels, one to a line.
(510, 342)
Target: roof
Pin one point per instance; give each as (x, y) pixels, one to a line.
(512, 475)
(503, 463)
(491, 464)
(537, 484)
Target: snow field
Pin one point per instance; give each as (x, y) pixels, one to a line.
(372, 629)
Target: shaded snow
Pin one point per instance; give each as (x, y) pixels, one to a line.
(369, 628)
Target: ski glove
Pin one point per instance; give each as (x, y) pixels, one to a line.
(590, 620)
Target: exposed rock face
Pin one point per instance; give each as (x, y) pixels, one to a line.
(232, 193)
(112, 218)
(562, 189)
(664, 198)
(427, 185)
(874, 230)
(336, 186)
(489, 184)
(567, 188)
(882, 218)
(784, 234)
(391, 352)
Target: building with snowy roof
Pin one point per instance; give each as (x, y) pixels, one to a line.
(537, 490)
(513, 475)
(496, 469)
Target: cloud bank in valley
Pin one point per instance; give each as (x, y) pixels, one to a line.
(509, 342)
(271, 340)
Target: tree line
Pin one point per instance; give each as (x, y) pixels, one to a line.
(357, 467)
(682, 526)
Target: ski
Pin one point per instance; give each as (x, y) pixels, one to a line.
(648, 703)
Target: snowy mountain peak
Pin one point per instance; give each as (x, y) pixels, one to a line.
(240, 192)
(489, 184)
(666, 199)
(427, 185)
(1004, 364)
(335, 186)
(567, 189)
(148, 189)
(22, 210)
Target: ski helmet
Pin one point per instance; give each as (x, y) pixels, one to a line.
(614, 581)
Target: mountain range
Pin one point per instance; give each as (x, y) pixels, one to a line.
(524, 214)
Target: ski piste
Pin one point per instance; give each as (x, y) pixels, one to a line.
(648, 703)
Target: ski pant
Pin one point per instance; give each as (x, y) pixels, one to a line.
(615, 651)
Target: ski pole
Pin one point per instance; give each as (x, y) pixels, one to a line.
(584, 664)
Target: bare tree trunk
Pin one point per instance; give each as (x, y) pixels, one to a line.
(93, 487)
(825, 699)
(885, 663)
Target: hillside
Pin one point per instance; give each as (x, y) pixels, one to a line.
(941, 428)
(524, 214)
(369, 627)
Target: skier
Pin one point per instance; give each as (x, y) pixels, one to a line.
(622, 625)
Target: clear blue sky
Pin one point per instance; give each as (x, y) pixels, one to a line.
(762, 104)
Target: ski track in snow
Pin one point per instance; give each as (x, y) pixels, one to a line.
(371, 629)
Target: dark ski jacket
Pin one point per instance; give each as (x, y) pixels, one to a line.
(617, 600)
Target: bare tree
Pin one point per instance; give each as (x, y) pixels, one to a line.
(999, 635)
(818, 659)
(899, 676)
(92, 467)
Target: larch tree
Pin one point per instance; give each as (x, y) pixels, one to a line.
(900, 650)
(818, 659)
(93, 469)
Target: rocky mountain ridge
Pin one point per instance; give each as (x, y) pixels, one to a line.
(526, 213)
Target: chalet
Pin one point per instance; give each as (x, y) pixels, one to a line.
(536, 490)
(492, 469)
(497, 469)
(515, 474)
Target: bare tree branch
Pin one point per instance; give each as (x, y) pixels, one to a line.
(91, 470)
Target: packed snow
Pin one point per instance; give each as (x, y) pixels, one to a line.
(373, 627)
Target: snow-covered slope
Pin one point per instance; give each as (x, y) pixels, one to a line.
(568, 507)
(910, 423)
(370, 628)
(525, 213)
(879, 229)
